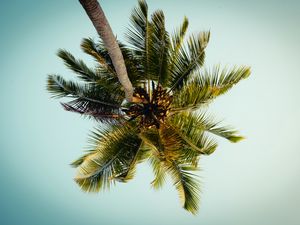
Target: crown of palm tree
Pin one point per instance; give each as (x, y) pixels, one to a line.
(166, 128)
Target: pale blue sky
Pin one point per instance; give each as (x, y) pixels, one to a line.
(253, 182)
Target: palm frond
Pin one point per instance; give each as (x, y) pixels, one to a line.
(178, 37)
(158, 49)
(59, 87)
(176, 42)
(91, 110)
(184, 181)
(166, 159)
(194, 137)
(159, 172)
(104, 75)
(141, 155)
(187, 185)
(78, 66)
(206, 123)
(207, 85)
(89, 100)
(134, 69)
(150, 43)
(105, 67)
(115, 150)
(100, 54)
(90, 47)
(165, 144)
(138, 32)
(188, 61)
(221, 80)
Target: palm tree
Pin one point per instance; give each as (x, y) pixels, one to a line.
(170, 127)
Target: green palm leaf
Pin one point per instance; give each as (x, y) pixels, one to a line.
(99, 54)
(193, 136)
(204, 122)
(207, 85)
(159, 172)
(177, 39)
(115, 149)
(105, 66)
(164, 145)
(159, 49)
(150, 42)
(166, 158)
(186, 184)
(164, 142)
(137, 35)
(176, 43)
(188, 61)
(89, 100)
(78, 66)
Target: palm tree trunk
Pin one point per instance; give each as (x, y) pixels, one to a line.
(97, 16)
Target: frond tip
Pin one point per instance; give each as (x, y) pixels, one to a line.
(235, 139)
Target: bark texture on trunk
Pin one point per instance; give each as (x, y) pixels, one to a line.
(97, 16)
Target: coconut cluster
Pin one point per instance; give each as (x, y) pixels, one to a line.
(152, 111)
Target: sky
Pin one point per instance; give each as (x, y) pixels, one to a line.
(253, 182)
